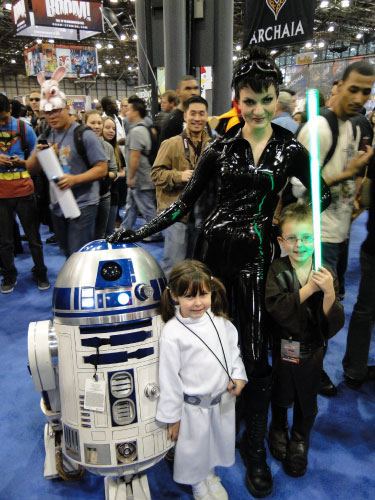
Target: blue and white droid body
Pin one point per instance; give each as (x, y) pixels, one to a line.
(100, 401)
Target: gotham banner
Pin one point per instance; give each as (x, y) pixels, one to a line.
(274, 23)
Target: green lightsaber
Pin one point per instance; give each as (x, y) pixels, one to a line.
(312, 115)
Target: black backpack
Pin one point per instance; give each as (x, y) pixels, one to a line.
(21, 129)
(151, 155)
(333, 123)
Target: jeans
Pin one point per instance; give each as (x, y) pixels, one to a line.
(26, 209)
(336, 256)
(73, 234)
(142, 201)
(361, 322)
(102, 217)
(179, 243)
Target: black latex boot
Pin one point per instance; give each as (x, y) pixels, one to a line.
(258, 474)
(278, 437)
(295, 463)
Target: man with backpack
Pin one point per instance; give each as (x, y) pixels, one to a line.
(83, 161)
(139, 153)
(341, 161)
(172, 169)
(17, 139)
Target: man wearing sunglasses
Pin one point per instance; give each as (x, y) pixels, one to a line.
(38, 121)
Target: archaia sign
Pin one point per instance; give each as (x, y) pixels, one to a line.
(273, 23)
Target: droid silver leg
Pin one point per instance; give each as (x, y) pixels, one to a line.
(127, 488)
(50, 471)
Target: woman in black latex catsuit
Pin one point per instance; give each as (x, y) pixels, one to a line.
(252, 163)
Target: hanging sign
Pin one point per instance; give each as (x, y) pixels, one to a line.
(274, 23)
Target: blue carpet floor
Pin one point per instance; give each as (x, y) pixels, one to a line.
(342, 458)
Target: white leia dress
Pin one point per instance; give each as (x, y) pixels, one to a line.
(207, 435)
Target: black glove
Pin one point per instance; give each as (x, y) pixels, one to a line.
(123, 235)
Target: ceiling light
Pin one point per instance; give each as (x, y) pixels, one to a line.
(308, 45)
(238, 47)
(8, 6)
(13, 61)
(99, 66)
(130, 68)
(107, 61)
(51, 40)
(315, 55)
(359, 35)
(38, 40)
(122, 36)
(321, 45)
(113, 1)
(102, 74)
(345, 3)
(273, 51)
(95, 100)
(110, 46)
(117, 61)
(98, 45)
(331, 28)
(127, 56)
(134, 36)
(234, 58)
(324, 4)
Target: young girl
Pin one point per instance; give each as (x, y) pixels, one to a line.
(200, 373)
(118, 188)
(95, 121)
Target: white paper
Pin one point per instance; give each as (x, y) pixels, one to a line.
(52, 168)
(94, 395)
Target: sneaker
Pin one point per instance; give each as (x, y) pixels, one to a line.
(215, 488)
(7, 285)
(201, 491)
(43, 283)
(52, 239)
(327, 387)
(354, 383)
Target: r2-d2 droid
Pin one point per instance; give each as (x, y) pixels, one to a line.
(97, 368)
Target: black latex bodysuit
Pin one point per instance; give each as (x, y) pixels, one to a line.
(236, 239)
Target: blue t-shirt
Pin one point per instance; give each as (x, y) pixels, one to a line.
(72, 162)
(10, 142)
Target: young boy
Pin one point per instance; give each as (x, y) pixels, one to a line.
(304, 305)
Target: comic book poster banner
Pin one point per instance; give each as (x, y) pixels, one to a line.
(274, 23)
(80, 61)
(74, 14)
(20, 15)
(34, 60)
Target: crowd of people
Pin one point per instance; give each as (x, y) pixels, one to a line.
(225, 203)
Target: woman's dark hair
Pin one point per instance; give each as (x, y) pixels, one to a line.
(193, 276)
(258, 71)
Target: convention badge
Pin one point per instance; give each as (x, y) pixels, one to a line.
(290, 351)
(94, 395)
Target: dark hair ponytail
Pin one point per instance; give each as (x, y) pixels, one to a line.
(193, 276)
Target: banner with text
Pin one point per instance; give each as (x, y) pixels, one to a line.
(274, 23)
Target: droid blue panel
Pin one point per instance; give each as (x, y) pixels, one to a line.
(114, 273)
(61, 298)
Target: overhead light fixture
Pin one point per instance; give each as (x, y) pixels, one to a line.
(95, 100)
(8, 6)
(234, 58)
(109, 46)
(345, 3)
(98, 45)
(321, 45)
(315, 56)
(117, 61)
(130, 68)
(39, 40)
(127, 56)
(102, 74)
(331, 28)
(100, 66)
(135, 36)
(13, 61)
(107, 61)
(51, 40)
(324, 4)
(238, 47)
(359, 35)
(308, 45)
(273, 51)
(122, 36)
(113, 1)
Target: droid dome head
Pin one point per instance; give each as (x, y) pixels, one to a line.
(107, 283)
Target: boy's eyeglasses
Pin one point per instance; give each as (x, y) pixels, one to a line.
(37, 99)
(305, 239)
